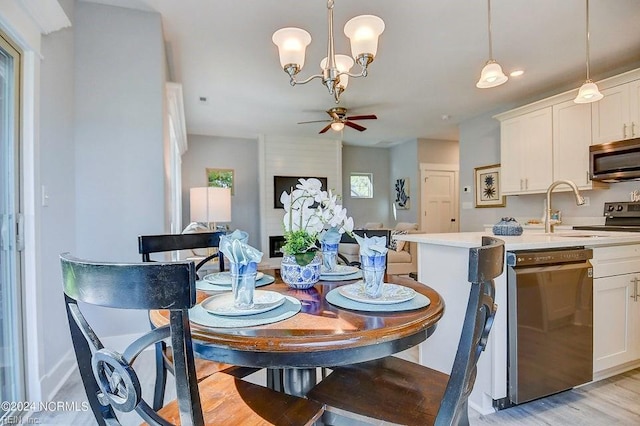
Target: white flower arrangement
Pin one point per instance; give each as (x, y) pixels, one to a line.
(308, 211)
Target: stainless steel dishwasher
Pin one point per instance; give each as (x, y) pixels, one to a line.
(550, 322)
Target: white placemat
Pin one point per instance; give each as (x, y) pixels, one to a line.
(335, 298)
(207, 286)
(289, 308)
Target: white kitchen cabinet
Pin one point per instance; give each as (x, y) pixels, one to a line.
(571, 140)
(617, 115)
(526, 152)
(616, 307)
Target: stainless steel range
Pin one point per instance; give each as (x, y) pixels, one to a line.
(623, 216)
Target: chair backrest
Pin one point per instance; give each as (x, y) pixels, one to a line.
(109, 378)
(485, 264)
(346, 238)
(148, 244)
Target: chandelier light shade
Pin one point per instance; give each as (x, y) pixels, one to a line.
(337, 126)
(491, 75)
(292, 45)
(344, 64)
(363, 31)
(589, 90)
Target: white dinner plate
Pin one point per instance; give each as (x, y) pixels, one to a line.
(391, 293)
(222, 304)
(340, 270)
(224, 278)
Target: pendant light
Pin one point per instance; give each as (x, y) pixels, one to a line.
(491, 75)
(588, 91)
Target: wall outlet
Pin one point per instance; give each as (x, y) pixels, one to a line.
(587, 201)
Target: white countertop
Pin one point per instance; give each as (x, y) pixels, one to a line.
(528, 241)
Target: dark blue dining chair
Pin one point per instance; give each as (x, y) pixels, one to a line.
(399, 391)
(110, 378)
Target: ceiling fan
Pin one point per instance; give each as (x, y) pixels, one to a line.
(339, 119)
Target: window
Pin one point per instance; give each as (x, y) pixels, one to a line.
(361, 185)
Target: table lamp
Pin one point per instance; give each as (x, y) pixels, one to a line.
(209, 205)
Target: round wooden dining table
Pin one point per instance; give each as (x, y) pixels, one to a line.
(320, 335)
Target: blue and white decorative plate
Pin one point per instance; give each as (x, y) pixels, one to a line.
(391, 293)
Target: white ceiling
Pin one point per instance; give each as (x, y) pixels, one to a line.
(428, 62)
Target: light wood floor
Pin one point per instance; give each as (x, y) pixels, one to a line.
(614, 401)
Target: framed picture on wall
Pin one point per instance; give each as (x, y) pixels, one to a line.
(487, 187)
(220, 178)
(402, 194)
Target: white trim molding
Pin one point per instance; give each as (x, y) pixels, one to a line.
(175, 108)
(48, 15)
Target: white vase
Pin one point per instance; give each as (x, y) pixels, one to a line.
(299, 276)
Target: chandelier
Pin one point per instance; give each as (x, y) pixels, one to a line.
(363, 32)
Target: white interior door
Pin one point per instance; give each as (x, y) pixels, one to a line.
(439, 196)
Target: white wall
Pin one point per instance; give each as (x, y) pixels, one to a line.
(119, 96)
(241, 155)
(285, 156)
(357, 159)
(57, 220)
(480, 146)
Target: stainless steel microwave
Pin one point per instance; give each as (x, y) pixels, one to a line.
(615, 161)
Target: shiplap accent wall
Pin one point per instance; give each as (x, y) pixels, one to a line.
(284, 156)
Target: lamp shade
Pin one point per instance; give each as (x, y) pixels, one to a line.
(337, 126)
(344, 64)
(491, 76)
(292, 44)
(209, 204)
(363, 31)
(588, 93)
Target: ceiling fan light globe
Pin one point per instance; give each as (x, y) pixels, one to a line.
(363, 32)
(491, 76)
(337, 126)
(588, 93)
(292, 44)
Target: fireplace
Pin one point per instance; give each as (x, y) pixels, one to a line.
(275, 244)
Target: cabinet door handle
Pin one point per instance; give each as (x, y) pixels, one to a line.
(624, 131)
(587, 181)
(634, 296)
(633, 129)
(521, 185)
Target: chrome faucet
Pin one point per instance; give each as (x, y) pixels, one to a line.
(548, 227)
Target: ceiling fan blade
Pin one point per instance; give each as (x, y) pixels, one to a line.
(314, 121)
(325, 129)
(362, 117)
(354, 126)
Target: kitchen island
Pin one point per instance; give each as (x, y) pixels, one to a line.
(443, 265)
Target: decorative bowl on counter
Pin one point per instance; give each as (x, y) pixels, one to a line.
(507, 226)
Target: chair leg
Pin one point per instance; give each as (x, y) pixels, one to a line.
(161, 377)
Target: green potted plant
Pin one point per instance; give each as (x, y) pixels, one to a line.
(308, 211)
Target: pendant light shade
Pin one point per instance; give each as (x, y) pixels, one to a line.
(491, 75)
(588, 93)
(589, 90)
(337, 126)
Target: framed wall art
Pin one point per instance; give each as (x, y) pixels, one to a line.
(220, 178)
(402, 194)
(487, 187)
